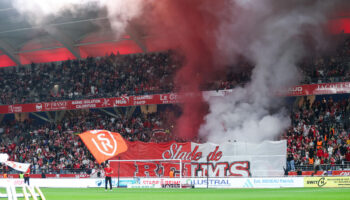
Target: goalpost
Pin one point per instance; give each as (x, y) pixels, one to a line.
(158, 167)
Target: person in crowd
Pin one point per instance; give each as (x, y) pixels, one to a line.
(290, 162)
(172, 173)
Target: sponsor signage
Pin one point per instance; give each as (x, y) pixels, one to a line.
(122, 101)
(273, 182)
(15, 109)
(212, 182)
(59, 105)
(326, 181)
(171, 98)
(317, 89)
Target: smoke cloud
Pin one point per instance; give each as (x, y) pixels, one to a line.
(211, 35)
(269, 33)
(189, 28)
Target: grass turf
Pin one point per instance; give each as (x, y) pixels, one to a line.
(193, 194)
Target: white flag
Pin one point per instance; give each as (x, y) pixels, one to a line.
(23, 167)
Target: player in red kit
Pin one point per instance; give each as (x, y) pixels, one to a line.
(108, 174)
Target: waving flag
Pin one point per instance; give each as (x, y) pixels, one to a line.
(23, 167)
(103, 144)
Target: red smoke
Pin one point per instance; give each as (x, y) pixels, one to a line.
(188, 26)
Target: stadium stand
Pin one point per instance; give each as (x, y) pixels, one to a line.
(109, 76)
(326, 69)
(318, 138)
(112, 75)
(52, 147)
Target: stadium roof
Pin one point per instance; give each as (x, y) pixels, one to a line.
(79, 36)
(65, 37)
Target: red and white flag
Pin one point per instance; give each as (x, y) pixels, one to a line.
(103, 144)
(23, 167)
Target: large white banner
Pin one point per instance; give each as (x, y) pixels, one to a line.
(240, 159)
(234, 159)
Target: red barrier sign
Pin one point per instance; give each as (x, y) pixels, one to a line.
(123, 101)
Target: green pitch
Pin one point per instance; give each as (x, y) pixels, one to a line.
(194, 194)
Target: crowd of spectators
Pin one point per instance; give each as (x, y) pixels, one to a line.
(109, 76)
(319, 136)
(330, 68)
(55, 147)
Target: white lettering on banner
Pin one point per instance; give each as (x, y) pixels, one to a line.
(92, 101)
(55, 105)
(139, 102)
(77, 102)
(124, 100)
(175, 153)
(105, 142)
(168, 98)
(85, 106)
(15, 109)
(240, 169)
(333, 87)
(163, 97)
(201, 166)
(221, 169)
(344, 174)
(144, 97)
(295, 89)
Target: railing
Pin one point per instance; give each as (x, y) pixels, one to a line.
(324, 167)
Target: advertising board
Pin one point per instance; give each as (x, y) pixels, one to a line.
(333, 182)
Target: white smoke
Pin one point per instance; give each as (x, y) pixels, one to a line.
(42, 12)
(268, 33)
